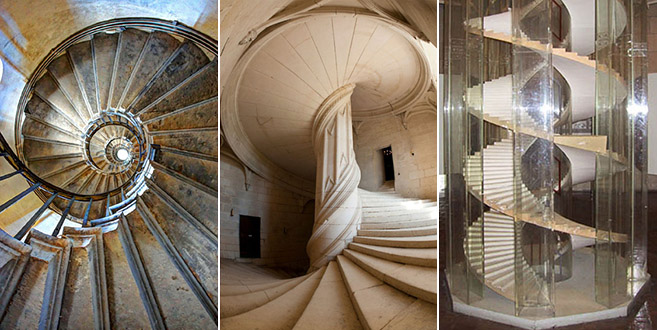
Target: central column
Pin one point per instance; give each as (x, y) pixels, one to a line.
(337, 204)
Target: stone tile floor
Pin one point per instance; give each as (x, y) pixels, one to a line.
(643, 319)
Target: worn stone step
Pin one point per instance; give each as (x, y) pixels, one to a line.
(416, 281)
(399, 224)
(238, 304)
(330, 306)
(379, 305)
(421, 257)
(280, 313)
(401, 242)
(405, 232)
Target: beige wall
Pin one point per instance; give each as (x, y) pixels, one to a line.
(286, 218)
(413, 151)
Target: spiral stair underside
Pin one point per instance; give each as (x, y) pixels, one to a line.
(385, 279)
(489, 244)
(154, 267)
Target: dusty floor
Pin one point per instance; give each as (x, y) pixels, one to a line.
(643, 318)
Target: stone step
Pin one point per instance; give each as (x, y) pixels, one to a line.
(238, 304)
(420, 257)
(421, 231)
(379, 305)
(280, 313)
(330, 306)
(401, 242)
(417, 281)
(399, 224)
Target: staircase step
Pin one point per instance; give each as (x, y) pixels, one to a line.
(401, 242)
(421, 231)
(238, 304)
(280, 313)
(330, 306)
(416, 281)
(399, 225)
(379, 305)
(420, 257)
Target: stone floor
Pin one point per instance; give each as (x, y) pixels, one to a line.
(642, 319)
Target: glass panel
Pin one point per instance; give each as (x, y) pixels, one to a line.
(621, 112)
(533, 116)
(464, 74)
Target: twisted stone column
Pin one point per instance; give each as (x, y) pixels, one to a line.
(337, 203)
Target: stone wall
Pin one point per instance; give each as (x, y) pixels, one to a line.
(413, 151)
(286, 218)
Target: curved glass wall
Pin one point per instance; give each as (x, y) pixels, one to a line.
(513, 156)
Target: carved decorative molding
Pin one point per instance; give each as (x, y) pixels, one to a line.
(337, 203)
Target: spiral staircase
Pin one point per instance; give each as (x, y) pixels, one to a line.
(385, 279)
(117, 134)
(491, 245)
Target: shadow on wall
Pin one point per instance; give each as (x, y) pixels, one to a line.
(286, 219)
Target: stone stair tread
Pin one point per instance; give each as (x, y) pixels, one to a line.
(238, 289)
(238, 304)
(330, 306)
(421, 257)
(376, 303)
(402, 242)
(280, 313)
(403, 232)
(399, 224)
(416, 281)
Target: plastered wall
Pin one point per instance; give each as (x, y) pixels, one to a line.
(286, 218)
(413, 151)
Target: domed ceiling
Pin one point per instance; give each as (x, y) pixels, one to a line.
(299, 64)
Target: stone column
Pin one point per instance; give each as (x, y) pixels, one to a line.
(337, 203)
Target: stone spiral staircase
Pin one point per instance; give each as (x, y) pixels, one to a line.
(121, 128)
(385, 279)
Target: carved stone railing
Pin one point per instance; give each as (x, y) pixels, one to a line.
(337, 203)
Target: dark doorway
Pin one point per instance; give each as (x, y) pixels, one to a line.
(249, 237)
(388, 167)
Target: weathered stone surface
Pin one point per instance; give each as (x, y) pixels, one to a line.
(37, 149)
(179, 306)
(37, 301)
(132, 42)
(203, 142)
(40, 109)
(199, 170)
(105, 47)
(199, 88)
(62, 71)
(47, 89)
(14, 256)
(188, 60)
(40, 130)
(82, 60)
(202, 115)
(85, 297)
(200, 254)
(199, 204)
(125, 305)
(158, 49)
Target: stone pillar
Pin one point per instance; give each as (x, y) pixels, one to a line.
(337, 203)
